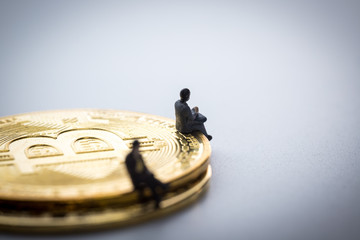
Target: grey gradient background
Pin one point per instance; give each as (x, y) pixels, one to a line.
(278, 81)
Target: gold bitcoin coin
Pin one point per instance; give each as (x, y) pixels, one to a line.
(100, 217)
(79, 155)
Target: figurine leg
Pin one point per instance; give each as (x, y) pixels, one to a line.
(141, 194)
(199, 126)
(163, 186)
(153, 184)
(155, 196)
(200, 118)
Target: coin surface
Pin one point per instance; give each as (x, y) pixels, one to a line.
(75, 155)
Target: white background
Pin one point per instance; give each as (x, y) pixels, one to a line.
(278, 81)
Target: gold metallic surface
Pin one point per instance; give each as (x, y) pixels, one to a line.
(105, 217)
(79, 155)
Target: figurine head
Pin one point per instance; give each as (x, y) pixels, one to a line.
(136, 145)
(185, 94)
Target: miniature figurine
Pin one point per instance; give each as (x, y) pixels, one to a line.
(189, 120)
(141, 177)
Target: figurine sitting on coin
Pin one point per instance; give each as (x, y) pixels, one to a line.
(141, 177)
(189, 120)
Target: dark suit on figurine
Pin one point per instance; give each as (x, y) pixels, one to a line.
(137, 170)
(189, 120)
(141, 177)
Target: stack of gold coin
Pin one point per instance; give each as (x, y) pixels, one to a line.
(65, 170)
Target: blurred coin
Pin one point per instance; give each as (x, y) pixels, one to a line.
(110, 215)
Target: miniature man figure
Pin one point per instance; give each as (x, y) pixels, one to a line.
(141, 177)
(189, 120)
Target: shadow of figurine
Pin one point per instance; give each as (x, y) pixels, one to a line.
(189, 120)
(141, 177)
